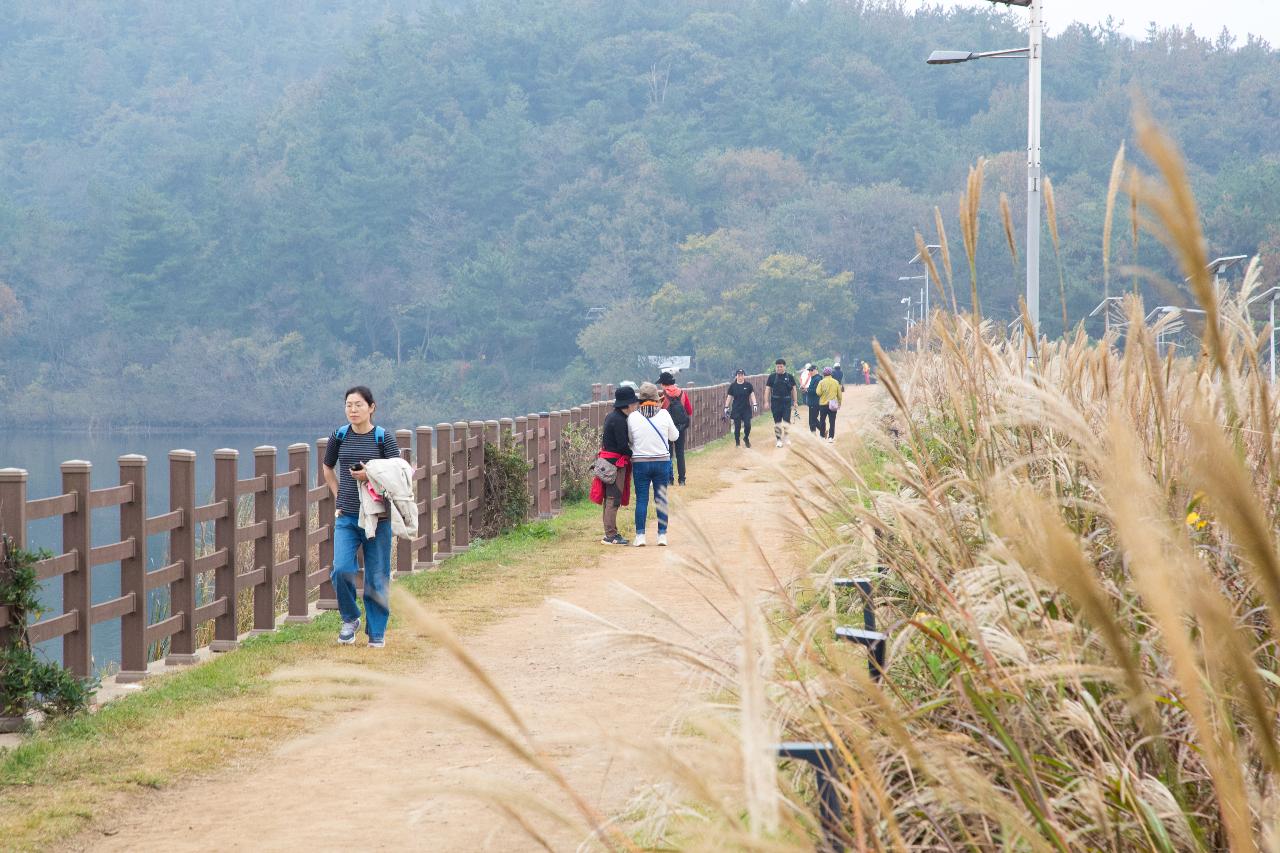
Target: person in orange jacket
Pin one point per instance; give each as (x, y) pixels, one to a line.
(680, 407)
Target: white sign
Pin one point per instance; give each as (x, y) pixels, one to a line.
(667, 362)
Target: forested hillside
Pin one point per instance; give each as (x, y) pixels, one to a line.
(228, 211)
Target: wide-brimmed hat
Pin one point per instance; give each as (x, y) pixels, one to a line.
(666, 378)
(649, 393)
(625, 396)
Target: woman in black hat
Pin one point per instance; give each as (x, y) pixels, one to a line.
(615, 448)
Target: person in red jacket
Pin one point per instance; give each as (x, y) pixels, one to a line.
(680, 407)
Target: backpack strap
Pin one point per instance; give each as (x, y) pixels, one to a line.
(379, 434)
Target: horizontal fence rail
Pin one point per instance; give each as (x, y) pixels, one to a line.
(448, 463)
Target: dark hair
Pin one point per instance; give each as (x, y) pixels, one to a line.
(781, 361)
(363, 391)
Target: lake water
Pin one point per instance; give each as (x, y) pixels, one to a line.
(41, 454)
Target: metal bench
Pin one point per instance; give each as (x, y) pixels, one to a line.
(822, 757)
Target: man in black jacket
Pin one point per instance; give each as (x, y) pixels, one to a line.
(615, 445)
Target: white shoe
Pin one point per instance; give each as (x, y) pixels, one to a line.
(778, 443)
(662, 539)
(639, 540)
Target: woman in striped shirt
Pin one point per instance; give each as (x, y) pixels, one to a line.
(349, 447)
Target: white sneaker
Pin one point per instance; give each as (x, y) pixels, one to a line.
(639, 540)
(662, 539)
(347, 634)
(778, 443)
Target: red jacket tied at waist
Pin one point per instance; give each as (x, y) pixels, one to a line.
(624, 475)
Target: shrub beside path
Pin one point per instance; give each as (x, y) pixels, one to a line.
(393, 773)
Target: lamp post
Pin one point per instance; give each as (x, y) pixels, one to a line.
(1032, 52)
(906, 335)
(917, 258)
(1273, 293)
(924, 298)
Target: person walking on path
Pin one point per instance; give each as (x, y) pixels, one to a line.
(652, 432)
(350, 447)
(779, 394)
(810, 392)
(838, 372)
(802, 380)
(740, 405)
(830, 396)
(615, 449)
(680, 407)
(866, 373)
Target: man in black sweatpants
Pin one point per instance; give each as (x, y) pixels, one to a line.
(779, 395)
(740, 404)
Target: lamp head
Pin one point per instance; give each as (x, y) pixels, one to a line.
(1219, 265)
(949, 57)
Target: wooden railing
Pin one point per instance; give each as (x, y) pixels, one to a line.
(448, 462)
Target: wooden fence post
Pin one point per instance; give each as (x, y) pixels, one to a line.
(133, 570)
(553, 463)
(325, 517)
(423, 452)
(493, 433)
(444, 489)
(461, 515)
(13, 521)
(597, 392)
(299, 463)
(475, 476)
(528, 426)
(506, 433)
(543, 434)
(226, 631)
(182, 549)
(403, 548)
(264, 547)
(77, 588)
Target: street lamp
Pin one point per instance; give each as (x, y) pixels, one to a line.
(906, 335)
(924, 293)
(1033, 53)
(917, 258)
(1218, 266)
(1175, 325)
(1274, 293)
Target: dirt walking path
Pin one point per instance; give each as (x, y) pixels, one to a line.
(391, 774)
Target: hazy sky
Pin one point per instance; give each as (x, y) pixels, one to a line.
(1261, 17)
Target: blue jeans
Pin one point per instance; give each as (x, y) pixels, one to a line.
(347, 537)
(659, 474)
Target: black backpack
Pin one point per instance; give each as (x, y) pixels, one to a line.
(675, 407)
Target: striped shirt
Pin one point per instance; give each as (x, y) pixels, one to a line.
(341, 455)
